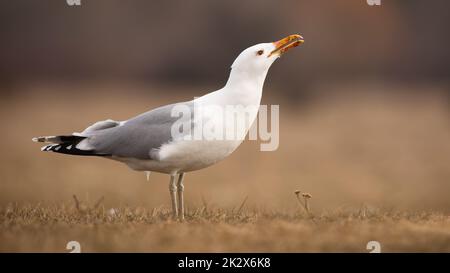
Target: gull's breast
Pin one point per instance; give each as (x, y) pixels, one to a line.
(184, 156)
(190, 155)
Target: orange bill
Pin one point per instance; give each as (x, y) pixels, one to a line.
(287, 43)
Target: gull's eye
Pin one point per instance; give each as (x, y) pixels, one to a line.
(260, 52)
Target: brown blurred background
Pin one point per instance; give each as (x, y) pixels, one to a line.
(364, 102)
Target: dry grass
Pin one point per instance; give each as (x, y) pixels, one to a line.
(353, 151)
(136, 229)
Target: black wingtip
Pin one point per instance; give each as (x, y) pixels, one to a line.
(70, 149)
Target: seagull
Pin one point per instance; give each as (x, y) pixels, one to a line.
(182, 137)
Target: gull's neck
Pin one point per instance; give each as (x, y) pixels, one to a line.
(240, 79)
(245, 87)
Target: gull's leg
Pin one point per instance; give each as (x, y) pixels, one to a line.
(172, 191)
(180, 189)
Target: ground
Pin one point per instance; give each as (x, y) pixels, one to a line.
(375, 162)
(39, 228)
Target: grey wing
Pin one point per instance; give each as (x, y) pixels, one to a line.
(138, 137)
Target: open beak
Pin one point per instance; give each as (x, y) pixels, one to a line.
(285, 44)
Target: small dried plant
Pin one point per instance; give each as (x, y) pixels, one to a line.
(303, 199)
